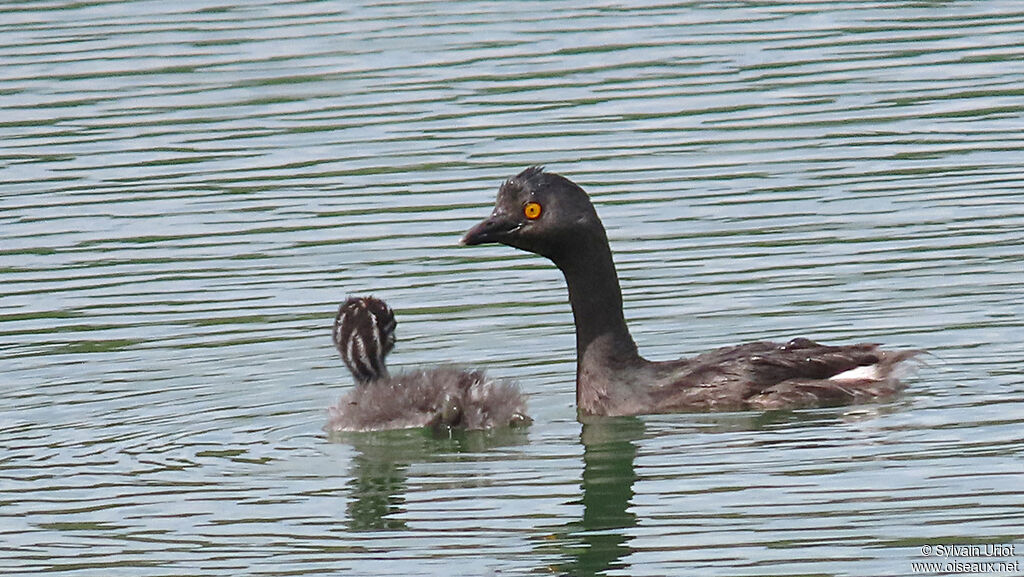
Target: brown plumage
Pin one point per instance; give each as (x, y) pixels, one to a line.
(549, 215)
(442, 397)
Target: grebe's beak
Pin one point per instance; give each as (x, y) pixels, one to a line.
(496, 228)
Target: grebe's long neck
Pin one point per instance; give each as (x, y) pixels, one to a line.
(596, 300)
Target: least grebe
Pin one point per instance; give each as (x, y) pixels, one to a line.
(549, 215)
(441, 397)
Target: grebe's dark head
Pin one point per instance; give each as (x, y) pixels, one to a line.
(540, 212)
(364, 332)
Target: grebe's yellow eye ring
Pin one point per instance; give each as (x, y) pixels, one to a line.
(532, 210)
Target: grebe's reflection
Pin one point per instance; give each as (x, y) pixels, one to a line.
(599, 542)
(379, 472)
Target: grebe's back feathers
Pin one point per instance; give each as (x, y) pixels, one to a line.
(444, 396)
(767, 375)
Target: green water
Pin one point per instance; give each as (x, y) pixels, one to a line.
(188, 190)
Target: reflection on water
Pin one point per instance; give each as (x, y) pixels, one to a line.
(377, 488)
(608, 476)
(379, 470)
(187, 191)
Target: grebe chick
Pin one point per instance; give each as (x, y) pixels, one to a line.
(549, 215)
(442, 397)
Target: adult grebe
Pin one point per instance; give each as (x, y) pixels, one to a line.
(550, 215)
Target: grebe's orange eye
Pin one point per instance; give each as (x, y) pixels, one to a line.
(531, 210)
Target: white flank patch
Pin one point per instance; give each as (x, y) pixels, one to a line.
(869, 372)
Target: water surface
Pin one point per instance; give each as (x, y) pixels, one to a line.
(188, 190)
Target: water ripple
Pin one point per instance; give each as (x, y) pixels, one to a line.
(189, 190)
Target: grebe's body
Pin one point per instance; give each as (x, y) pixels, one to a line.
(444, 396)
